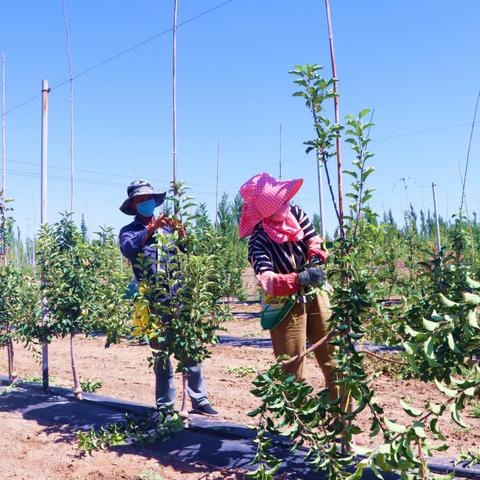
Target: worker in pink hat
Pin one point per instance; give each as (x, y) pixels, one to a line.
(286, 254)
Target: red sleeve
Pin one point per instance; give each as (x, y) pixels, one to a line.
(278, 284)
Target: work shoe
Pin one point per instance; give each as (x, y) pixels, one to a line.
(205, 409)
(163, 414)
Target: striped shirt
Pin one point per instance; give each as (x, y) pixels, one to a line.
(266, 255)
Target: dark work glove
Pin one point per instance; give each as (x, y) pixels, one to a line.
(311, 276)
(314, 261)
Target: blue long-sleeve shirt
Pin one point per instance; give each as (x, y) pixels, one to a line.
(132, 244)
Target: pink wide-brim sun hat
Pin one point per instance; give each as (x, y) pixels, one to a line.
(264, 196)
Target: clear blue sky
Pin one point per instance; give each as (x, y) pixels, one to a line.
(416, 63)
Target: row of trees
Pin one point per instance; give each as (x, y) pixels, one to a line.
(80, 285)
(81, 288)
(436, 324)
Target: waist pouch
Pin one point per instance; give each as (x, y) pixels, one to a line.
(274, 313)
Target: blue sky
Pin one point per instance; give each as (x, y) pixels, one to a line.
(415, 63)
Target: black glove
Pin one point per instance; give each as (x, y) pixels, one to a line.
(311, 276)
(314, 261)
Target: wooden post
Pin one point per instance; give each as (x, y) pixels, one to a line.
(70, 74)
(337, 118)
(437, 224)
(174, 97)
(43, 210)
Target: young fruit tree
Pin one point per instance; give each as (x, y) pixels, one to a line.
(19, 305)
(179, 308)
(439, 333)
(18, 292)
(81, 287)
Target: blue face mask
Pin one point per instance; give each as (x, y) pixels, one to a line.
(146, 208)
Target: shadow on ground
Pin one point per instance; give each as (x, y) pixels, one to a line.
(207, 445)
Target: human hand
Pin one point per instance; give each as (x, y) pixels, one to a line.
(311, 276)
(163, 221)
(156, 223)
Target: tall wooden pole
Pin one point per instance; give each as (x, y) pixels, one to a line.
(437, 224)
(174, 96)
(70, 73)
(43, 210)
(216, 187)
(4, 247)
(4, 145)
(337, 117)
(183, 411)
(4, 167)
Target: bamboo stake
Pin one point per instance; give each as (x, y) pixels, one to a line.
(437, 225)
(216, 187)
(33, 236)
(183, 411)
(337, 117)
(4, 145)
(462, 182)
(174, 97)
(4, 167)
(43, 211)
(12, 375)
(468, 151)
(320, 194)
(70, 73)
(280, 155)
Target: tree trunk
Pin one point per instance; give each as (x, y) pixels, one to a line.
(12, 374)
(76, 378)
(184, 410)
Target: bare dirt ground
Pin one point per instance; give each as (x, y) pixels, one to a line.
(29, 452)
(35, 453)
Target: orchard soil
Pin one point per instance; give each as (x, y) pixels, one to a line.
(35, 453)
